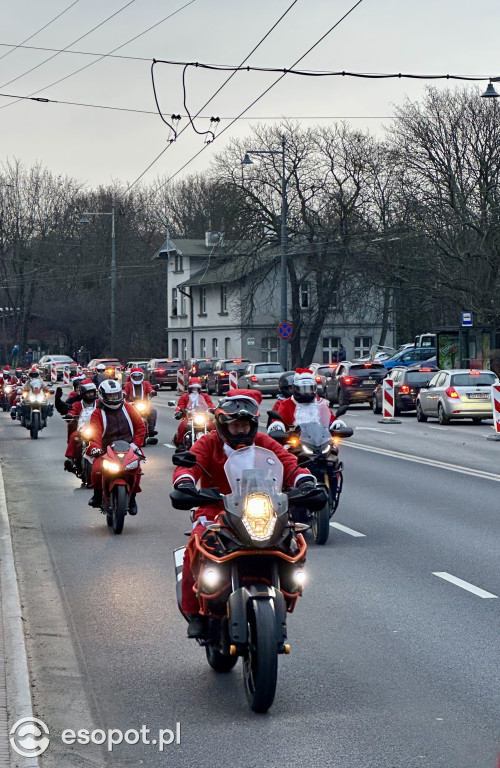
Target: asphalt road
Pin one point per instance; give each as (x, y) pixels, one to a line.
(392, 666)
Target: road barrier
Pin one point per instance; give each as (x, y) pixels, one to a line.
(495, 399)
(66, 375)
(53, 373)
(233, 379)
(388, 405)
(180, 382)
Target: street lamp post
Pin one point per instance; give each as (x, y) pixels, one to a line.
(283, 238)
(84, 220)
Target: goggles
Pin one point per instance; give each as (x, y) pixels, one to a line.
(230, 410)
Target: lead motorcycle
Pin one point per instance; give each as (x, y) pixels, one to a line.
(250, 567)
(318, 449)
(35, 408)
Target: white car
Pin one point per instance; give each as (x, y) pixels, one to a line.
(457, 394)
(47, 362)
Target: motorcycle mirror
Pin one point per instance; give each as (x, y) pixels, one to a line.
(275, 415)
(186, 459)
(171, 402)
(343, 433)
(340, 411)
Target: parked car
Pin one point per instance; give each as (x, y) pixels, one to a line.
(163, 371)
(218, 379)
(457, 394)
(407, 383)
(133, 364)
(322, 372)
(354, 382)
(411, 356)
(262, 376)
(201, 368)
(46, 363)
(113, 366)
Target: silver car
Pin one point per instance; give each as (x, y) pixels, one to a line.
(262, 376)
(457, 394)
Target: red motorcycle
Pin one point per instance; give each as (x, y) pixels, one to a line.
(120, 468)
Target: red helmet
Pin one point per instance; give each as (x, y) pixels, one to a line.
(194, 383)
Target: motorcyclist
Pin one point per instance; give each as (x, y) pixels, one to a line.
(100, 374)
(189, 401)
(113, 419)
(64, 406)
(138, 389)
(236, 425)
(302, 406)
(81, 409)
(32, 384)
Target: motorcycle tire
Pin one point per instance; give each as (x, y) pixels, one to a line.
(320, 524)
(87, 473)
(260, 663)
(219, 661)
(119, 504)
(35, 425)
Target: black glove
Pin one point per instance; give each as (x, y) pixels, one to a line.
(153, 394)
(306, 483)
(186, 486)
(178, 415)
(58, 393)
(95, 452)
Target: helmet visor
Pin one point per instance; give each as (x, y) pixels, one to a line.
(230, 410)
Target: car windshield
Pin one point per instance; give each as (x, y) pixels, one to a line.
(61, 359)
(205, 367)
(235, 366)
(168, 364)
(419, 377)
(326, 370)
(269, 368)
(367, 369)
(473, 380)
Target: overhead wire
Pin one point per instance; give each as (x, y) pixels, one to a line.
(34, 34)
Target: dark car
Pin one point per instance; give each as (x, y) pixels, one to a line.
(199, 368)
(218, 379)
(407, 383)
(163, 371)
(354, 382)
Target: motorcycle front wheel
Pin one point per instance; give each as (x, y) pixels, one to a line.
(260, 663)
(119, 503)
(35, 425)
(320, 524)
(219, 661)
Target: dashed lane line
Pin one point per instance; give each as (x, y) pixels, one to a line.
(345, 529)
(464, 584)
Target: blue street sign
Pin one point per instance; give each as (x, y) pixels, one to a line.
(466, 318)
(285, 330)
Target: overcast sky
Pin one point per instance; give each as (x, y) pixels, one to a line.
(97, 146)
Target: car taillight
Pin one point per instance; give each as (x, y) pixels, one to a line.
(404, 389)
(318, 379)
(473, 373)
(451, 392)
(347, 379)
(160, 370)
(223, 373)
(253, 378)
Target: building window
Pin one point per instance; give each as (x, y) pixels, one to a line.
(330, 348)
(184, 348)
(183, 303)
(215, 348)
(304, 296)
(223, 299)
(179, 267)
(175, 348)
(203, 300)
(174, 302)
(270, 349)
(203, 347)
(362, 345)
(227, 345)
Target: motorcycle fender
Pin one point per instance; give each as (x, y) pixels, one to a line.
(237, 610)
(117, 481)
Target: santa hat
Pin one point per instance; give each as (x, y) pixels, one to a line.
(248, 394)
(304, 376)
(6, 368)
(194, 381)
(78, 377)
(136, 370)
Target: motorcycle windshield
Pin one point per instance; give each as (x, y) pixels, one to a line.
(314, 421)
(253, 470)
(201, 407)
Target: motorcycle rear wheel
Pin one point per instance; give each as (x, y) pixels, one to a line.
(260, 663)
(119, 503)
(35, 425)
(219, 661)
(320, 524)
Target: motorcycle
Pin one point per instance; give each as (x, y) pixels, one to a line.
(318, 449)
(6, 393)
(198, 423)
(35, 410)
(83, 463)
(250, 568)
(144, 409)
(120, 467)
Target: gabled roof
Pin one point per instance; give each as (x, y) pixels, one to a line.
(230, 269)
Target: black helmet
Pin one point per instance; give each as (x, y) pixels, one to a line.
(77, 380)
(33, 373)
(88, 391)
(238, 404)
(286, 384)
(304, 385)
(111, 394)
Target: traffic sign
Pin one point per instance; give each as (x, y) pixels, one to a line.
(466, 318)
(285, 330)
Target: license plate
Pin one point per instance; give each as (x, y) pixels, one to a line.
(368, 381)
(479, 395)
(269, 381)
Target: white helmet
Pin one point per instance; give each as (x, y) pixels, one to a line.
(110, 393)
(101, 367)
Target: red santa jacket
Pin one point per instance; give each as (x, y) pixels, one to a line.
(183, 402)
(77, 408)
(145, 389)
(210, 454)
(98, 423)
(288, 408)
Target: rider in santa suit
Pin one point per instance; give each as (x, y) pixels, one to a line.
(303, 406)
(138, 389)
(193, 398)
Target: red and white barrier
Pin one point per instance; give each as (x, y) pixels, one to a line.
(180, 382)
(66, 375)
(53, 373)
(79, 370)
(233, 379)
(495, 399)
(388, 398)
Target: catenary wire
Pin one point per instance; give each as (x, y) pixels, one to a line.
(34, 34)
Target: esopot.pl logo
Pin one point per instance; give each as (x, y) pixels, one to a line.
(29, 737)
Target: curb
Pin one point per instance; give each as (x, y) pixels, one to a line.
(15, 686)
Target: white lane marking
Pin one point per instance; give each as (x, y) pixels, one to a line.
(428, 462)
(464, 584)
(345, 529)
(376, 429)
(168, 445)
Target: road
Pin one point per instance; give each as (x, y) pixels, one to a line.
(392, 664)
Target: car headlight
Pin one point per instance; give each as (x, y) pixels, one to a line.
(132, 465)
(199, 420)
(110, 466)
(259, 517)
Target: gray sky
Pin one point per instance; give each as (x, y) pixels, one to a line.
(97, 146)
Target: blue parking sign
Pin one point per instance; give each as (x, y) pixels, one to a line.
(466, 318)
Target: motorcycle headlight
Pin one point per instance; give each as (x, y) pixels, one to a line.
(87, 432)
(307, 450)
(8, 389)
(110, 466)
(199, 420)
(132, 465)
(141, 406)
(40, 398)
(32, 398)
(299, 578)
(326, 449)
(210, 577)
(259, 517)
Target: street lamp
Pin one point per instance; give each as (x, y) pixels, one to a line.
(283, 240)
(84, 220)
